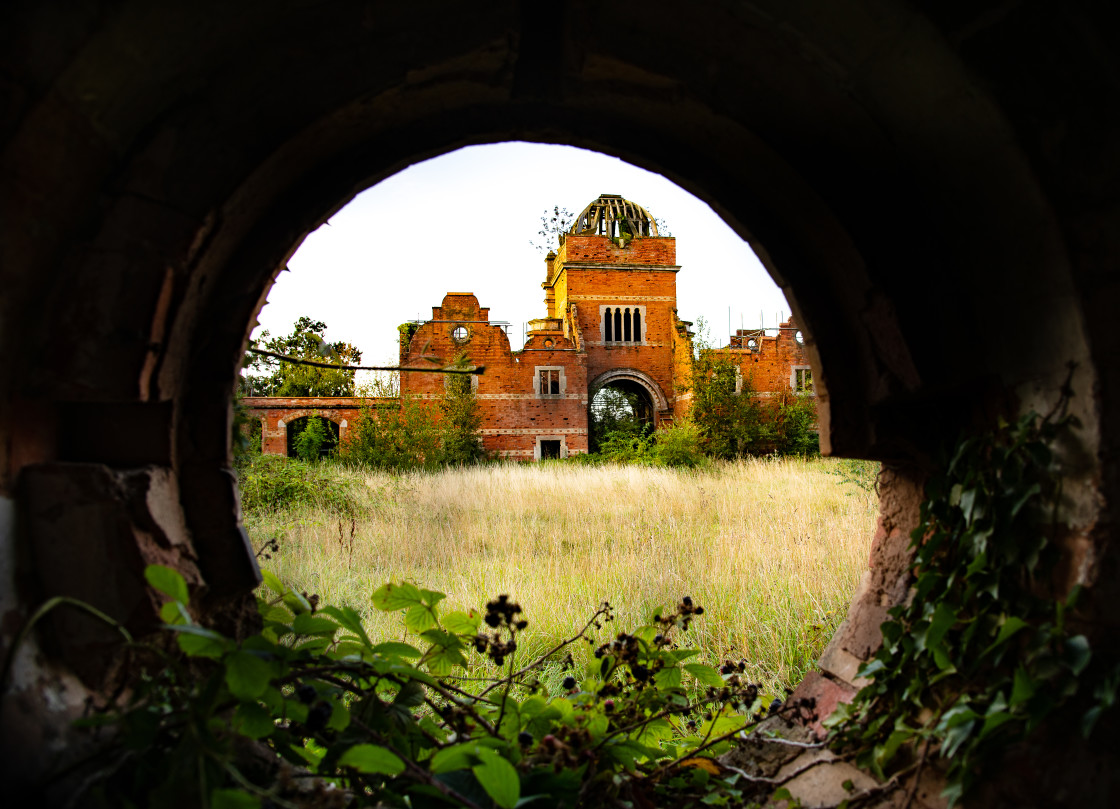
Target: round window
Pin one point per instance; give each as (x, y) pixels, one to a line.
(752, 344)
(800, 338)
(548, 344)
(460, 334)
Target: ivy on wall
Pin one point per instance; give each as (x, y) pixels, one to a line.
(983, 651)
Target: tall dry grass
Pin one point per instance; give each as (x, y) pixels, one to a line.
(772, 548)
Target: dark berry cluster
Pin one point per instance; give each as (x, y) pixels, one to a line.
(681, 617)
(501, 614)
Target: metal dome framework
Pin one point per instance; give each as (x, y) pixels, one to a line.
(611, 215)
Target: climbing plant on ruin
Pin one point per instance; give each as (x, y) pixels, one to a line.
(984, 650)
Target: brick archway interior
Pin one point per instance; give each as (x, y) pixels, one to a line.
(946, 245)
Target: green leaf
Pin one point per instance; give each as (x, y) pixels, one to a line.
(396, 649)
(1023, 688)
(1012, 625)
(272, 582)
(173, 612)
(390, 597)
(370, 758)
(455, 757)
(233, 799)
(198, 641)
(247, 675)
(1077, 653)
(943, 619)
(498, 777)
(167, 581)
(668, 677)
(296, 602)
(253, 720)
(308, 624)
(349, 619)
(462, 623)
(705, 675)
(421, 618)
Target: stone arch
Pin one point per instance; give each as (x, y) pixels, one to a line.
(289, 423)
(657, 397)
(945, 235)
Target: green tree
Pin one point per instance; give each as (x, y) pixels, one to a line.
(614, 412)
(267, 376)
(398, 436)
(461, 418)
(313, 439)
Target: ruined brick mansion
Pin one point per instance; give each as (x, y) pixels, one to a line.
(611, 321)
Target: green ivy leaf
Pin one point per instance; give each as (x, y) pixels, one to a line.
(167, 581)
(1077, 653)
(370, 758)
(498, 777)
(247, 675)
(943, 619)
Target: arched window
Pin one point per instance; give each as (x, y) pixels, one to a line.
(607, 326)
(637, 325)
(617, 324)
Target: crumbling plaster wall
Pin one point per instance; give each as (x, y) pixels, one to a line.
(914, 175)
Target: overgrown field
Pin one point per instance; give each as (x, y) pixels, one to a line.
(772, 548)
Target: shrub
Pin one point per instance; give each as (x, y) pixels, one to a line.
(398, 437)
(273, 482)
(311, 441)
(312, 711)
(679, 445)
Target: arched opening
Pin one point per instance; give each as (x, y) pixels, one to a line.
(141, 249)
(320, 443)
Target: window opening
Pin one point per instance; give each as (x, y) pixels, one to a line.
(607, 326)
(803, 380)
(550, 449)
(550, 383)
(617, 324)
(626, 327)
(637, 325)
(460, 334)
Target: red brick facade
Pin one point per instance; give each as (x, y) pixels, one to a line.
(611, 320)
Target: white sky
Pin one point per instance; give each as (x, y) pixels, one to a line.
(462, 222)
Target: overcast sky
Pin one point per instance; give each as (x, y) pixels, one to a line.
(463, 222)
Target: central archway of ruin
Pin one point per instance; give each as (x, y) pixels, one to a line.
(913, 213)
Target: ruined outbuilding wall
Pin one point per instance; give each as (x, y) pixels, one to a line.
(277, 412)
(515, 416)
(768, 365)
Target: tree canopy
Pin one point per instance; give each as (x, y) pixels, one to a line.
(266, 376)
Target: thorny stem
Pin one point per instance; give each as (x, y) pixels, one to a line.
(544, 658)
(505, 695)
(711, 743)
